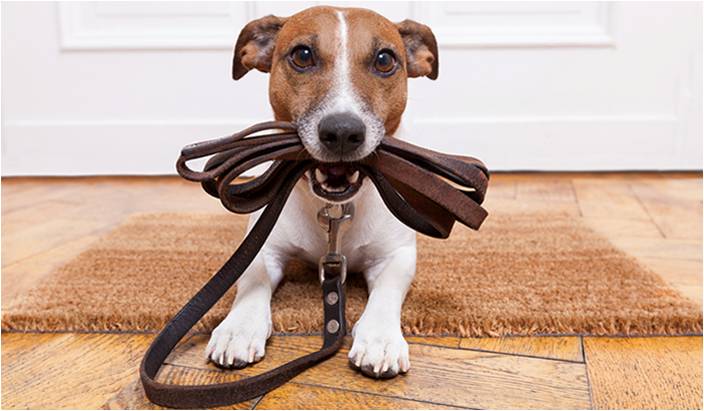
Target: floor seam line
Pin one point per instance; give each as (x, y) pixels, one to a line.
(382, 395)
(540, 357)
(586, 374)
(576, 198)
(322, 386)
(645, 209)
(257, 401)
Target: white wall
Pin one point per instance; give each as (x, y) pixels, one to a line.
(118, 88)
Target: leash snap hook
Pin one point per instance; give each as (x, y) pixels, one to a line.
(331, 217)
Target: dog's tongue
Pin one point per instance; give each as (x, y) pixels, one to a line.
(334, 170)
(337, 171)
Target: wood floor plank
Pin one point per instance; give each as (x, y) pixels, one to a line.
(560, 348)
(669, 248)
(289, 396)
(535, 195)
(683, 275)
(452, 342)
(693, 292)
(612, 200)
(43, 236)
(673, 206)
(496, 380)
(132, 397)
(645, 373)
(504, 189)
(504, 206)
(66, 371)
(619, 227)
(33, 194)
(88, 209)
(28, 272)
(11, 186)
(547, 190)
(303, 396)
(15, 346)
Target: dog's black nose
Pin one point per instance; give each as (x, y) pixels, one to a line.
(341, 132)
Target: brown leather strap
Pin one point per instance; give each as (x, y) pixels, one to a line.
(426, 190)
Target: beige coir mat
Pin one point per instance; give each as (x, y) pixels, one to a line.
(520, 275)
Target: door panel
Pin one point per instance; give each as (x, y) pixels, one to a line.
(523, 85)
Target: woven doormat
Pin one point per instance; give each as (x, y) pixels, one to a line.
(522, 274)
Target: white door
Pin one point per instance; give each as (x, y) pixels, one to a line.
(118, 88)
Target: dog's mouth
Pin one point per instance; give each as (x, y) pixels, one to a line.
(336, 182)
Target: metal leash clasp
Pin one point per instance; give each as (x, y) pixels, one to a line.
(331, 217)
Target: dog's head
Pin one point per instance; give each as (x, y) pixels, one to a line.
(340, 74)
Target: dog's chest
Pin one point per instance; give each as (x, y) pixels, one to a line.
(372, 234)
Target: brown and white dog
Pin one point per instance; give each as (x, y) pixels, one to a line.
(340, 74)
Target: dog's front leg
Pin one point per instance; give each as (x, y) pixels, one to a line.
(240, 338)
(379, 349)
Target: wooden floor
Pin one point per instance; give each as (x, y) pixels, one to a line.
(655, 217)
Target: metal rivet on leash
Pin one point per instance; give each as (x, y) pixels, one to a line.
(332, 298)
(333, 326)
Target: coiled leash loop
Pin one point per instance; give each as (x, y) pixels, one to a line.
(426, 190)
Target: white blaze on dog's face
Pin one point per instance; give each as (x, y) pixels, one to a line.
(340, 74)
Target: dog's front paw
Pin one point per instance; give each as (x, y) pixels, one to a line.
(239, 340)
(379, 349)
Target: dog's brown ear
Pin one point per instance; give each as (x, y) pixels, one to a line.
(255, 45)
(421, 49)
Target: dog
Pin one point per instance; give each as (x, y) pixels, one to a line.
(341, 75)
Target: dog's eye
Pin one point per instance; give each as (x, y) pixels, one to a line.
(385, 62)
(302, 57)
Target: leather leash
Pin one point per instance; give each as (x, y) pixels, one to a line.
(426, 190)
